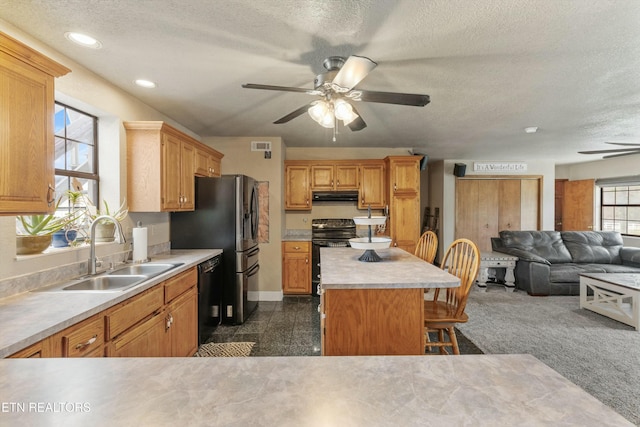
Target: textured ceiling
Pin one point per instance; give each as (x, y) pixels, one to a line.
(492, 68)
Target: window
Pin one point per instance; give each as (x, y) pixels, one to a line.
(620, 209)
(76, 152)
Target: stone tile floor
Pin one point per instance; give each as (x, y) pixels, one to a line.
(290, 327)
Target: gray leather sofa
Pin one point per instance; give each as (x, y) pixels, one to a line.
(550, 262)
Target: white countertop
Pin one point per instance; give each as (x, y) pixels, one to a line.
(474, 390)
(29, 317)
(340, 269)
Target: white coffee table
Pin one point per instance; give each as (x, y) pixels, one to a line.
(492, 260)
(615, 295)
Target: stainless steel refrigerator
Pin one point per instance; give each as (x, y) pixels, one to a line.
(225, 217)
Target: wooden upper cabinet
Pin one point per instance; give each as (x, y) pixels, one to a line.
(162, 163)
(26, 119)
(297, 187)
(208, 162)
(372, 188)
(404, 174)
(334, 177)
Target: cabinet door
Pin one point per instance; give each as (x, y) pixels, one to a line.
(322, 177)
(215, 166)
(187, 179)
(145, 340)
(171, 173)
(371, 186)
(296, 270)
(508, 205)
(346, 177)
(297, 188)
(405, 175)
(201, 163)
(182, 318)
(404, 218)
(26, 140)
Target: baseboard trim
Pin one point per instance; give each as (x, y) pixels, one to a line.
(265, 295)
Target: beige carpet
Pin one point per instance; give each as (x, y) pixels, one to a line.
(226, 349)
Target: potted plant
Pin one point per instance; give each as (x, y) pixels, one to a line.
(34, 232)
(105, 230)
(77, 211)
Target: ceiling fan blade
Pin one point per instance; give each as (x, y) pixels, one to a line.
(394, 98)
(630, 144)
(300, 111)
(280, 88)
(620, 150)
(353, 71)
(357, 123)
(628, 153)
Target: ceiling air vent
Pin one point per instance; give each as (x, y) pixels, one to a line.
(260, 145)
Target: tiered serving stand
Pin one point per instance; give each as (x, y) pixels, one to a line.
(370, 244)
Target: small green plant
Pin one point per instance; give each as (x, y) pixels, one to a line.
(44, 224)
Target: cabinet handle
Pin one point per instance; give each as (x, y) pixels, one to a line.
(297, 248)
(51, 195)
(84, 345)
(338, 184)
(395, 187)
(307, 202)
(306, 260)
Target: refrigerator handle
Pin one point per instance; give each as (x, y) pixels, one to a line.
(253, 252)
(253, 271)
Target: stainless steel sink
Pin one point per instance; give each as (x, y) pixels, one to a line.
(148, 270)
(106, 283)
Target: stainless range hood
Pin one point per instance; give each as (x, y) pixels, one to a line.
(335, 196)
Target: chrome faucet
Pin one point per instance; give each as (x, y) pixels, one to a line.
(93, 261)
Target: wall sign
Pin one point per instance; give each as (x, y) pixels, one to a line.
(499, 167)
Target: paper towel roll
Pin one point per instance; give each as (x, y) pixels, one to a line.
(139, 244)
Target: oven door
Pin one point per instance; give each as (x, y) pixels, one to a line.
(315, 259)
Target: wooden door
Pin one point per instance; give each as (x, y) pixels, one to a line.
(27, 128)
(404, 218)
(530, 204)
(578, 205)
(296, 273)
(297, 188)
(371, 186)
(322, 177)
(183, 329)
(477, 211)
(145, 340)
(187, 178)
(171, 173)
(559, 201)
(509, 209)
(346, 177)
(405, 175)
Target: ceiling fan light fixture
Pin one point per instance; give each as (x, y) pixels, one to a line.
(342, 109)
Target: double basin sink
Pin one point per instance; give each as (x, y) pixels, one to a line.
(117, 280)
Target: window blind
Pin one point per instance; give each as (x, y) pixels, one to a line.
(618, 181)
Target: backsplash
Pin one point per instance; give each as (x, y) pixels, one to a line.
(29, 282)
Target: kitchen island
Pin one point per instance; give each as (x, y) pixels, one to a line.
(484, 390)
(375, 308)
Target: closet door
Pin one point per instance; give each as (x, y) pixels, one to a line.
(509, 202)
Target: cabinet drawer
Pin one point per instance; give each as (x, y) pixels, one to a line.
(296, 247)
(134, 310)
(179, 284)
(86, 339)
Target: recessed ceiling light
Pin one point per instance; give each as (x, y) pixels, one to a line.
(531, 129)
(145, 83)
(83, 40)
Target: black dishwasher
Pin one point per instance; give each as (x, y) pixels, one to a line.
(209, 296)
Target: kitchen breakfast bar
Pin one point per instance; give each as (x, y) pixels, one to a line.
(375, 308)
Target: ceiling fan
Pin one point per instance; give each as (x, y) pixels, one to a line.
(336, 87)
(620, 151)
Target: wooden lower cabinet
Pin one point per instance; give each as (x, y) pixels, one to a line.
(296, 267)
(372, 322)
(144, 340)
(159, 322)
(182, 325)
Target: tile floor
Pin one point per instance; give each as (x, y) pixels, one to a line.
(290, 327)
